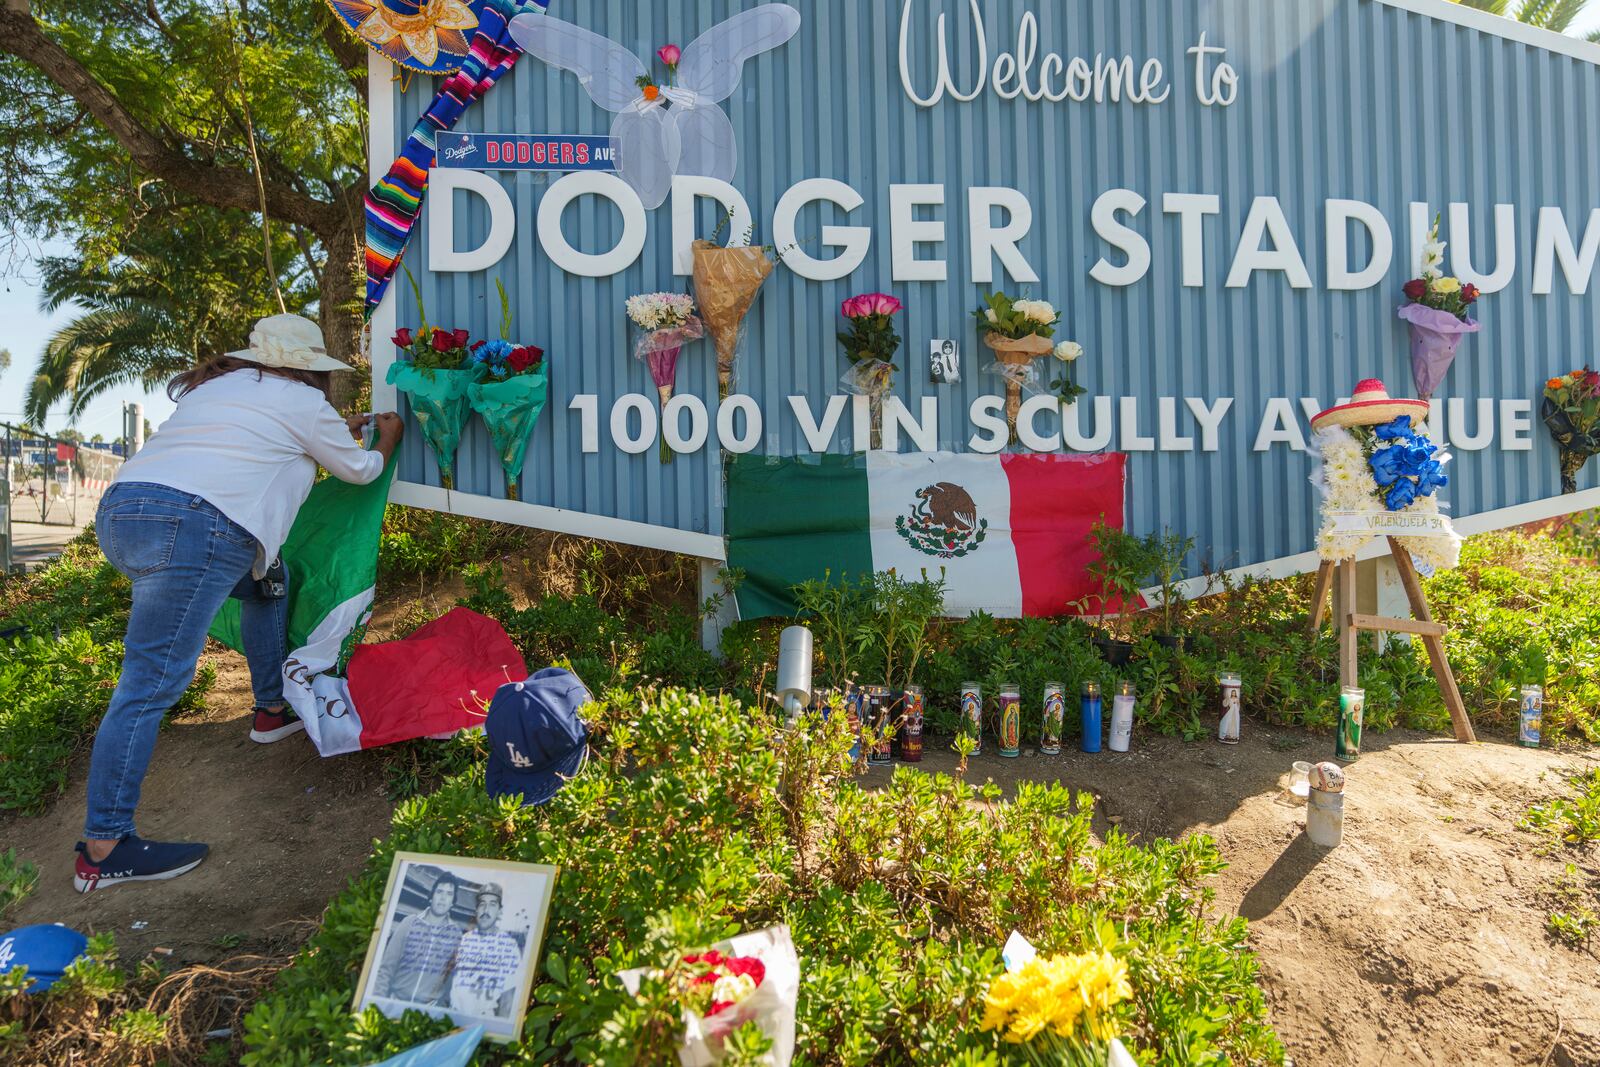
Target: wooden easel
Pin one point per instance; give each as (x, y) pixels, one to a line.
(1351, 623)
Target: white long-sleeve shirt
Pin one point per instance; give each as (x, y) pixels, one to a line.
(250, 446)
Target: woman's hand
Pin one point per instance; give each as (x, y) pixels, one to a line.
(357, 423)
(390, 429)
(390, 425)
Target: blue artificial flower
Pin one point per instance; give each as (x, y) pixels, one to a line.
(493, 354)
(1432, 479)
(1415, 456)
(1386, 465)
(1401, 495)
(1398, 430)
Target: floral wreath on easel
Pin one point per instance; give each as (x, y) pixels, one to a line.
(1375, 459)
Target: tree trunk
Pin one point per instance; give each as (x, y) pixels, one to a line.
(340, 298)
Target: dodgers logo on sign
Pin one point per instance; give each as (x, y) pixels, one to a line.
(533, 152)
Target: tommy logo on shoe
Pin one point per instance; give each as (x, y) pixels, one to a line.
(518, 760)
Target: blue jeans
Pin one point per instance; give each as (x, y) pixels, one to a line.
(185, 559)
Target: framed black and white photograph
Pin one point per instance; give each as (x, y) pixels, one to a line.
(944, 362)
(458, 937)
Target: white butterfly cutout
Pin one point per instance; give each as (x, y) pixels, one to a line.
(654, 142)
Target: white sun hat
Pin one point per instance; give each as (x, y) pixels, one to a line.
(290, 342)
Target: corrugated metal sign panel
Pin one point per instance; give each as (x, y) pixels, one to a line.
(1349, 99)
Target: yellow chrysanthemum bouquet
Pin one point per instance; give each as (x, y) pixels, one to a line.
(1061, 1008)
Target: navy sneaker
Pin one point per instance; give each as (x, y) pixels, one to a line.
(273, 726)
(136, 860)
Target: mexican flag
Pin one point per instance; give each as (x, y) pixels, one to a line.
(1010, 532)
(353, 696)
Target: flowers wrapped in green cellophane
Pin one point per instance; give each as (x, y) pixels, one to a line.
(439, 402)
(509, 399)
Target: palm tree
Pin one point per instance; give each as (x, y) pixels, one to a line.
(1557, 15)
(147, 313)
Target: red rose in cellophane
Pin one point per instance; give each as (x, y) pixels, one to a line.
(751, 978)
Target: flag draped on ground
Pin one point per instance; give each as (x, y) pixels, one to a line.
(354, 696)
(1011, 533)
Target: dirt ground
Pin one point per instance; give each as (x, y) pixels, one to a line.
(287, 828)
(1418, 941)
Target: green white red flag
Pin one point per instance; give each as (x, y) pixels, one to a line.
(1011, 533)
(353, 696)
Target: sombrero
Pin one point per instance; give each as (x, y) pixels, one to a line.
(1371, 406)
(428, 36)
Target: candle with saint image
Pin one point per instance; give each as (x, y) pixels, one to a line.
(1055, 711)
(1228, 728)
(972, 714)
(1010, 719)
(1122, 718)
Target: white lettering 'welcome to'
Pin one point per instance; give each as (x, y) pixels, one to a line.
(1105, 79)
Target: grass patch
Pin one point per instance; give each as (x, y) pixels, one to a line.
(1573, 919)
(18, 878)
(1571, 824)
(1574, 820)
(698, 818)
(59, 662)
(104, 1012)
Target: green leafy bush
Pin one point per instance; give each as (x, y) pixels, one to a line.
(77, 591)
(1520, 609)
(68, 1022)
(52, 695)
(18, 878)
(428, 544)
(640, 641)
(1574, 820)
(698, 818)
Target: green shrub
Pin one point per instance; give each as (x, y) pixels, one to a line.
(90, 1015)
(1523, 611)
(77, 591)
(697, 819)
(53, 693)
(1520, 609)
(428, 544)
(17, 879)
(653, 642)
(1574, 820)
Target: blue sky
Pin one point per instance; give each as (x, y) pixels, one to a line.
(27, 330)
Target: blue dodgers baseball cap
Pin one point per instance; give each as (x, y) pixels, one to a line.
(46, 951)
(536, 739)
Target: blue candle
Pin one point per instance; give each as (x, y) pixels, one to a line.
(1091, 717)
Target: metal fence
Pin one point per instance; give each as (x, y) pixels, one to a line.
(50, 481)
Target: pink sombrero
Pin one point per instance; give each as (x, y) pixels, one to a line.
(1371, 406)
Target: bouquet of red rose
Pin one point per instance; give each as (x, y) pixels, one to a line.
(511, 394)
(434, 372)
(752, 978)
(1438, 317)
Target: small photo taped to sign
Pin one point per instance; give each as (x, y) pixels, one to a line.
(944, 362)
